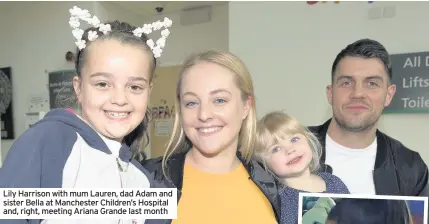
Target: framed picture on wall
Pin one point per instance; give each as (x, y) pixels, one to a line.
(6, 110)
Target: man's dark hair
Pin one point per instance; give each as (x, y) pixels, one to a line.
(365, 48)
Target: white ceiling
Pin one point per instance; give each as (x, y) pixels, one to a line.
(147, 8)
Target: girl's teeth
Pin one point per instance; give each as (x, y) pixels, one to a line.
(209, 130)
(296, 159)
(117, 115)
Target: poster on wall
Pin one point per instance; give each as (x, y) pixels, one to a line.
(410, 74)
(162, 112)
(61, 92)
(162, 116)
(6, 111)
(163, 127)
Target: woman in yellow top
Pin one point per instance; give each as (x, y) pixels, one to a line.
(209, 155)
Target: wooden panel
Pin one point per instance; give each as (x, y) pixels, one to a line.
(162, 106)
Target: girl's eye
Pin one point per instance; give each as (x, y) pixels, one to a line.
(275, 149)
(294, 139)
(136, 88)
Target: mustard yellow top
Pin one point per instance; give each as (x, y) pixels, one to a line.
(230, 198)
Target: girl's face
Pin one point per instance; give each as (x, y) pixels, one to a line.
(212, 108)
(291, 157)
(114, 87)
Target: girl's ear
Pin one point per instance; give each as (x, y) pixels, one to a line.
(76, 87)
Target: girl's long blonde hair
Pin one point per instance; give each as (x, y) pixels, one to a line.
(243, 80)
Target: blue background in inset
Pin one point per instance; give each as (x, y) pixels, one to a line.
(417, 208)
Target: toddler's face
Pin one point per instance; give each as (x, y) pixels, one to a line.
(290, 157)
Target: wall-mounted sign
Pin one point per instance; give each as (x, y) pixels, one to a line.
(61, 92)
(411, 76)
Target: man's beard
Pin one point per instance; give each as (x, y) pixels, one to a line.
(361, 125)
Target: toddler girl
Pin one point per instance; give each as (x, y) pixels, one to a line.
(291, 153)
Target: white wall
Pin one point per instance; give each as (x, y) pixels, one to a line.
(290, 46)
(35, 37)
(185, 40)
(107, 11)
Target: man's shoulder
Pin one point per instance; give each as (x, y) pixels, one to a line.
(396, 145)
(409, 165)
(319, 129)
(315, 128)
(402, 153)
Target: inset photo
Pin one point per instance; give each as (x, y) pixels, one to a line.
(320, 208)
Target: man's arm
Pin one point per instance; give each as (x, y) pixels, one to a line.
(421, 188)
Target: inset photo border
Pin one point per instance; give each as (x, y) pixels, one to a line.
(318, 208)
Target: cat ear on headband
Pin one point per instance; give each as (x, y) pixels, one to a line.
(77, 15)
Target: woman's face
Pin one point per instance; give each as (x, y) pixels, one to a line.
(212, 108)
(114, 87)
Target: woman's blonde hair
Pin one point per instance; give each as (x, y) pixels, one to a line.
(277, 125)
(243, 80)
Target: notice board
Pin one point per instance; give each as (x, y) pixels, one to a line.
(61, 92)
